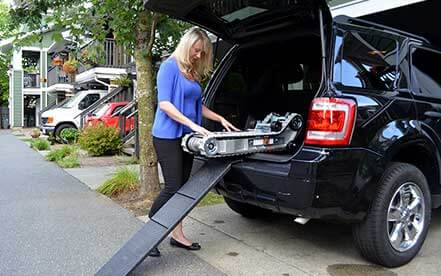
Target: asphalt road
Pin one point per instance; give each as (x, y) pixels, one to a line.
(52, 224)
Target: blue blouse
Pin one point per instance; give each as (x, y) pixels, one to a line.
(184, 94)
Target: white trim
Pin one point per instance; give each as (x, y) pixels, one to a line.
(11, 97)
(100, 73)
(359, 8)
(32, 91)
(60, 87)
(17, 60)
(22, 98)
(52, 45)
(37, 118)
(31, 48)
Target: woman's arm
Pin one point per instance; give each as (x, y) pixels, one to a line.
(209, 114)
(176, 115)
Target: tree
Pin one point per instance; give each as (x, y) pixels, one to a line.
(5, 31)
(132, 26)
(5, 21)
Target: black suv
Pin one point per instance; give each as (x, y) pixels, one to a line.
(371, 96)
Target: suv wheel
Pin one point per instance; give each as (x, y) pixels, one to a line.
(396, 226)
(246, 210)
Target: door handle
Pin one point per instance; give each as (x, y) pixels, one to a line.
(433, 114)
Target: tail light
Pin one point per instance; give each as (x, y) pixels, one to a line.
(330, 122)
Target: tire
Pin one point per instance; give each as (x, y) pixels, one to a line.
(60, 128)
(246, 210)
(381, 237)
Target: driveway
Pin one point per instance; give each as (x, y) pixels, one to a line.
(279, 246)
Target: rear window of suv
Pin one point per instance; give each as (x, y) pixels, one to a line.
(426, 75)
(364, 60)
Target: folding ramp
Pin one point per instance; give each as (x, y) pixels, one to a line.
(164, 221)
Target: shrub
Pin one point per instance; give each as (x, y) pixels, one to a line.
(39, 144)
(69, 135)
(100, 140)
(123, 179)
(51, 139)
(58, 154)
(70, 161)
(123, 81)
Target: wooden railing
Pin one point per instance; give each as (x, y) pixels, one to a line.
(127, 113)
(115, 55)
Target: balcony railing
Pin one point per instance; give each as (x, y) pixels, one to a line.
(31, 80)
(115, 55)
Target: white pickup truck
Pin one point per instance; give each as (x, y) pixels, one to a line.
(53, 121)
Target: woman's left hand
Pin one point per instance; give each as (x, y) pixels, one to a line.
(227, 125)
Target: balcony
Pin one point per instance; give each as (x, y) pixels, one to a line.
(31, 80)
(31, 69)
(105, 59)
(107, 54)
(115, 55)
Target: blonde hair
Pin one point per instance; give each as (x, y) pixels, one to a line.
(202, 67)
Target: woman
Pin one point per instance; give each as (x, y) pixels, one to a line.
(179, 112)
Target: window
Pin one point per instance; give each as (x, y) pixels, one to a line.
(88, 101)
(426, 76)
(117, 109)
(365, 60)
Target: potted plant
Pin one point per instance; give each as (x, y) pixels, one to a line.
(71, 66)
(123, 81)
(35, 133)
(57, 61)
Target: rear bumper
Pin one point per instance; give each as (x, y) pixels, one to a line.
(47, 130)
(316, 183)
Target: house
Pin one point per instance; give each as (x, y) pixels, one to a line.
(38, 81)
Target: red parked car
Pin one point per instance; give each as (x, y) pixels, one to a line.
(107, 114)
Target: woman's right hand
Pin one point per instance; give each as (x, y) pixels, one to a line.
(197, 128)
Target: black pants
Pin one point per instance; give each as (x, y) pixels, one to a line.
(176, 167)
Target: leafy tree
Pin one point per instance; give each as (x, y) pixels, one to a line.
(4, 80)
(134, 27)
(5, 20)
(5, 31)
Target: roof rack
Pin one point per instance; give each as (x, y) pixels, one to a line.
(344, 19)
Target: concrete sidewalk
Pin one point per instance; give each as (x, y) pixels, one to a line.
(52, 224)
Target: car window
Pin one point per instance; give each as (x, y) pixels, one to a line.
(426, 76)
(365, 60)
(89, 100)
(70, 102)
(117, 109)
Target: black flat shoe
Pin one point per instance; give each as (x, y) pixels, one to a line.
(154, 252)
(193, 246)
